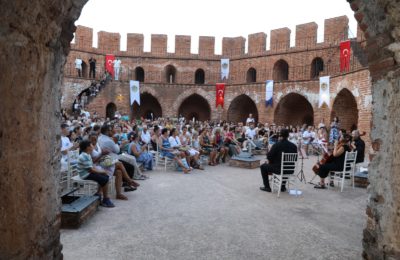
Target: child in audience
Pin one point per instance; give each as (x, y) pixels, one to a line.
(88, 172)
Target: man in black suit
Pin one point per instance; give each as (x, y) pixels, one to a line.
(274, 157)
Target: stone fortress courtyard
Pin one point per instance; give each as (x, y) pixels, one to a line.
(220, 213)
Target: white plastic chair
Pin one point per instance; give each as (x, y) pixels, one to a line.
(288, 164)
(162, 161)
(348, 170)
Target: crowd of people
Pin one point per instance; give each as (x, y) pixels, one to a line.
(126, 150)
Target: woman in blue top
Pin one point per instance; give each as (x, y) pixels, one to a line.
(141, 153)
(167, 151)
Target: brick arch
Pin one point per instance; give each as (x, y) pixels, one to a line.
(140, 74)
(240, 108)
(345, 107)
(170, 73)
(180, 99)
(150, 107)
(311, 97)
(294, 109)
(280, 70)
(195, 106)
(111, 108)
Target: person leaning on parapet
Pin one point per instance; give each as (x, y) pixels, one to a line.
(274, 157)
(78, 66)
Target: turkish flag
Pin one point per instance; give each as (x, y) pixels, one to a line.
(345, 56)
(109, 64)
(220, 92)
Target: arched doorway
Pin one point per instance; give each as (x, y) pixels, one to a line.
(195, 106)
(345, 107)
(240, 108)
(139, 74)
(149, 107)
(317, 66)
(294, 109)
(199, 76)
(281, 70)
(170, 74)
(251, 75)
(111, 108)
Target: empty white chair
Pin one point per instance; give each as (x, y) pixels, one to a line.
(288, 168)
(348, 170)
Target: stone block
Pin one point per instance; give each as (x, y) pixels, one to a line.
(76, 210)
(247, 164)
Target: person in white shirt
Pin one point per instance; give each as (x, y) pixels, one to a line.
(66, 146)
(117, 66)
(250, 134)
(307, 138)
(78, 66)
(145, 135)
(250, 119)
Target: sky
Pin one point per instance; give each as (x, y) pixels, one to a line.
(219, 18)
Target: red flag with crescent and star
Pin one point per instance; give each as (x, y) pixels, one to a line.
(220, 92)
(345, 56)
(109, 64)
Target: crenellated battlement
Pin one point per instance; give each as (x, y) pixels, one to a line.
(336, 30)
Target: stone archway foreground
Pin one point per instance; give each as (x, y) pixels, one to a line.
(240, 108)
(195, 106)
(38, 33)
(294, 109)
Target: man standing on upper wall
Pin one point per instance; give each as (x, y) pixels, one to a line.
(78, 66)
(92, 64)
(117, 66)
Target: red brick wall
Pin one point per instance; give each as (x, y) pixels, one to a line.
(171, 96)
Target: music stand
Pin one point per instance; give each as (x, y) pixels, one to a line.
(300, 174)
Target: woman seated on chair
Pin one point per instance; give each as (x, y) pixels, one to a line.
(231, 143)
(155, 138)
(192, 154)
(218, 142)
(207, 148)
(167, 151)
(141, 153)
(87, 171)
(116, 168)
(337, 163)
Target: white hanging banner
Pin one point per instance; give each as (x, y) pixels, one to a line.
(135, 91)
(269, 93)
(324, 96)
(224, 69)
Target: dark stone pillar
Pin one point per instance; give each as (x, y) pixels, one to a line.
(34, 39)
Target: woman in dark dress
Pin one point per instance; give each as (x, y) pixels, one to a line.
(337, 163)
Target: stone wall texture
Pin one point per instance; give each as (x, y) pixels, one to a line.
(34, 40)
(380, 20)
